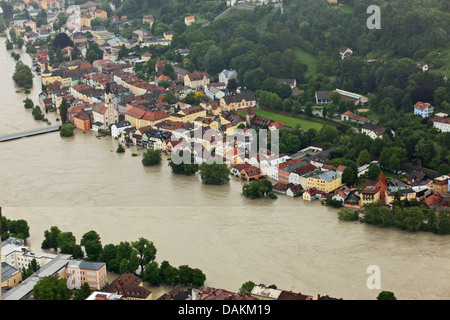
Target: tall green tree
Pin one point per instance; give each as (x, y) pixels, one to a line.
(51, 288)
(386, 295)
(63, 109)
(364, 157)
(151, 157)
(246, 288)
(214, 173)
(51, 238)
(146, 252)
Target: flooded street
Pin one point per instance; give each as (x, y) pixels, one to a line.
(81, 184)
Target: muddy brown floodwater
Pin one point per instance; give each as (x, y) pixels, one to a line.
(81, 184)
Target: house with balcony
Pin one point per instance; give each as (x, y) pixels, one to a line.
(423, 109)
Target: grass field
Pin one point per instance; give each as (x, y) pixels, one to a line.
(289, 121)
(308, 59)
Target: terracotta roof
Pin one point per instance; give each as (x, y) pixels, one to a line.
(221, 294)
(421, 105)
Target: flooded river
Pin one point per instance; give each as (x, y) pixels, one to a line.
(81, 184)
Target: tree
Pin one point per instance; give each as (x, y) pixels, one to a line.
(92, 245)
(151, 157)
(33, 266)
(364, 157)
(37, 113)
(19, 42)
(198, 277)
(386, 295)
(170, 98)
(123, 52)
(253, 79)
(51, 288)
(348, 176)
(394, 163)
(67, 244)
(28, 103)
(187, 166)
(258, 189)
(232, 85)
(18, 228)
(126, 259)
(83, 293)
(51, 238)
(9, 45)
(214, 173)
(152, 274)
(347, 214)
(169, 273)
(146, 252)
(335, 97)
(246, 288)
(169, 71)
(63, 109)
(374, 171)
(61, 41)
(23, 76)
(66, 130)
(120, 148)
(440, 96)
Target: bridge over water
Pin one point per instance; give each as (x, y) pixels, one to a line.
(29, 133)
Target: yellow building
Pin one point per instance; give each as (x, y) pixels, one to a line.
(196, 80)
(206, 122)
(86, 20)
(148, 20)
(188, 114)
(404, 193)
(168, 35)
(139, 118)
(369, 195)
(440, 184)
(51, 4)
(325, 181)
(238, 101)
(10, 276)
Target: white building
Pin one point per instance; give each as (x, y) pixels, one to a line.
(442, 124)
(118, 128)
(213, 93)
(20, 256)
(423, 109)
(226, 75)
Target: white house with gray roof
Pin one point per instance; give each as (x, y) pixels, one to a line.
(226, 75)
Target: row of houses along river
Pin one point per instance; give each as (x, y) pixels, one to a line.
(81, 184)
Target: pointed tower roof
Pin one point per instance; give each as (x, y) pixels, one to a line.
(382, 178)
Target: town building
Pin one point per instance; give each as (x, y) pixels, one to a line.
(130, 287)
(442, 124)
(423, 109)
(10, 276)
(238, 101)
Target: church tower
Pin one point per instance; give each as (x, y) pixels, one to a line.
(112, 113)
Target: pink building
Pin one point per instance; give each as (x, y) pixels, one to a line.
(78, 272)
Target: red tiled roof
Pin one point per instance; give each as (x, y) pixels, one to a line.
(420, 105)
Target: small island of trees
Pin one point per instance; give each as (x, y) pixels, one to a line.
(23, 76)
(259, 189)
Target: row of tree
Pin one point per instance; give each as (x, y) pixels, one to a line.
(135, 257)
(404, 215)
